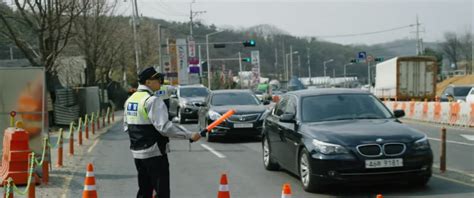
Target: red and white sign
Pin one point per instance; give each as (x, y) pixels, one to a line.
(192, 48)
(370, 58)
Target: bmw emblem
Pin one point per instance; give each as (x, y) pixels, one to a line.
(379, 140)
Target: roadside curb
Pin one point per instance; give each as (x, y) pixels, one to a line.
(454, 176)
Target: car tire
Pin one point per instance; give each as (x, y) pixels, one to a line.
(210, 138)
(268, 162)
(181, 119)
(420, 182)
(310, 183)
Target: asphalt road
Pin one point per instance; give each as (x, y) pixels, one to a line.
(196, 173)
(459, 150)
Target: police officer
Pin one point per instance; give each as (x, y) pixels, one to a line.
(146, 122)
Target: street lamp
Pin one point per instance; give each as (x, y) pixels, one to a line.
(324, 63)
(345, 80)
(291, 64)
(208, 59)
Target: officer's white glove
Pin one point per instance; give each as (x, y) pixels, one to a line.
(195, 136)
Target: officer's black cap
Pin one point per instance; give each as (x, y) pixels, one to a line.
(149, 74)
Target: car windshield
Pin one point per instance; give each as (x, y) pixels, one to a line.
(240, 98)
(342, 107)
(461, 91)
(193, 92)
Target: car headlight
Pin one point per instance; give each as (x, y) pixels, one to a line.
(422, 144)
(328, 148)
(214, 115)
(185, 104)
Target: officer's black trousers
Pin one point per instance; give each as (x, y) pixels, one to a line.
(153, 175)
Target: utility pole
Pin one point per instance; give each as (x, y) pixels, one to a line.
(135, 38)
(276, 61)
(291, 61)
(419, 44)
(240, 69)
(309, 64)
(285, 65)
(200, 60)
(193, 14)
(159, 50)
(299, 66)
(369, 75)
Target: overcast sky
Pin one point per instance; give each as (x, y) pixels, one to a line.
(325, 18)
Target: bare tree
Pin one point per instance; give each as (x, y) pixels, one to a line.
(96, 34)
(148, 42)
(451, 47)
(466, 50)
(118, 57)
(49, 22)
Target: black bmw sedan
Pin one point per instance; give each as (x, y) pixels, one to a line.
(248, 117)
(334, 136)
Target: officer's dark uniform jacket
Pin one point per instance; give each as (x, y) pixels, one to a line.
(146, 121)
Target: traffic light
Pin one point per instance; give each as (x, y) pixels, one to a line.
(249, 43)
(379, 59)
(246, 60)
(219, 45)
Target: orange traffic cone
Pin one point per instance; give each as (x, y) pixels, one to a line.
(286, 191)
(90, 190)
(379, 196)
(223, 188)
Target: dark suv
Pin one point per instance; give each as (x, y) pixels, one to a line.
(185, 102)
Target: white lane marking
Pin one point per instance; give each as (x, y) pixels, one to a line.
(469, 137)
(452, 180)
(450, 141)
(93, 145)
(210, 149)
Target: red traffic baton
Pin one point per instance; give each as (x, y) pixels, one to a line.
(209, 128)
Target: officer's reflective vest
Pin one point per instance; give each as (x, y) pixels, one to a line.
(140, 129)
(163, 93)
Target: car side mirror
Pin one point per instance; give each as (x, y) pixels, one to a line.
(288, 118)
(266, 102)
(174, 96)
(399, 113)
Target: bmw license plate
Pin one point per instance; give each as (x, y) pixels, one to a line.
(243, 125)
(384, 163)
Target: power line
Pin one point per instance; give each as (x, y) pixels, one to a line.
(166, 12)
(367, 33)
(169, 9)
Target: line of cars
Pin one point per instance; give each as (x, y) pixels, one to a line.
(197, 102)
(324, 136)
(458, 93)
